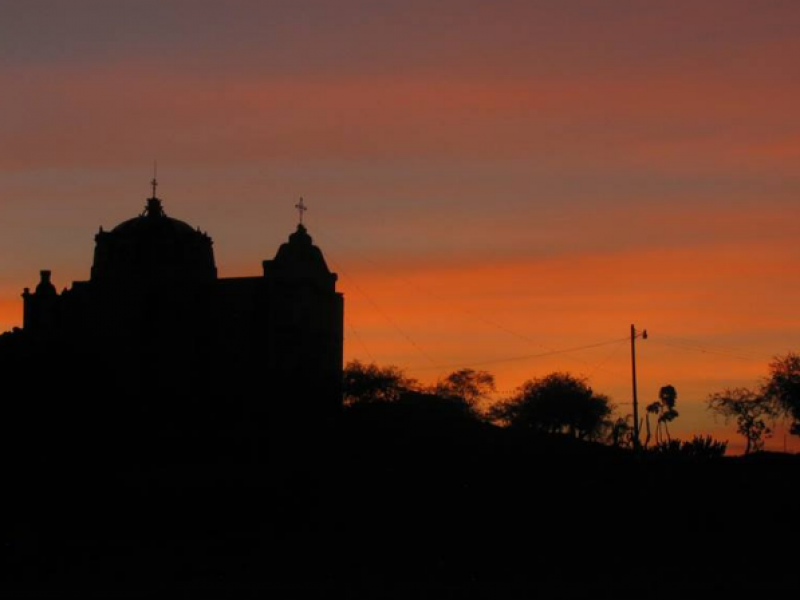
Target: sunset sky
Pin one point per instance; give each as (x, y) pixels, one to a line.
(491, 180)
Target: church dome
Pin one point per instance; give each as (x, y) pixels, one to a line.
(153, 221)
(300, 259)
(154, 247)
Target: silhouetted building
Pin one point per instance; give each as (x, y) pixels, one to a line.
(155, 329)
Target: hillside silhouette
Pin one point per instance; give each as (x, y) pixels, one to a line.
(165, 429)
(397, 500)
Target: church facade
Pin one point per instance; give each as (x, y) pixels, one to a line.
(155, 326)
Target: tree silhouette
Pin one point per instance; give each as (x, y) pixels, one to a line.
(556, 403)
(783, 388)
(621, 434)
(470, 386)
(369, 383)
(664, 409)
(751, 410)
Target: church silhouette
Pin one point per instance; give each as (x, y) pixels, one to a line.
(156, 338)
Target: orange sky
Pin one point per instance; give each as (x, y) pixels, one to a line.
(498, 178)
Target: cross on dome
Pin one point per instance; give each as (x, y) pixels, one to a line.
(301, 208)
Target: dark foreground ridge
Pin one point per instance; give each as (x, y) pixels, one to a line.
(163, 429)
(397, 502)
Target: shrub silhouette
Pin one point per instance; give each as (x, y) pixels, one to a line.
(699, 447)
(704, 447)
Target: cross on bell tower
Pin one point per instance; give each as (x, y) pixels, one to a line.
(301, 208)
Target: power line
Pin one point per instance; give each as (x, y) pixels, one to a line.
(738, 352)
(611, 355)
(703, 350)
(386, 317)
(549, 351)
(469, 313)
(518, 358)
(360, 340)
(683, 344)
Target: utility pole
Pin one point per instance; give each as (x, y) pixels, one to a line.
(634, 335)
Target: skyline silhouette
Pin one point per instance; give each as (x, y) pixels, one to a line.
(530, 175)
(539, 352)
(156, 325)
(430, 398)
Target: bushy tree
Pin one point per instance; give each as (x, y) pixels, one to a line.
(369, 383)
(782, 387)
(751, 410)
(470, 386)
(556, 403)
